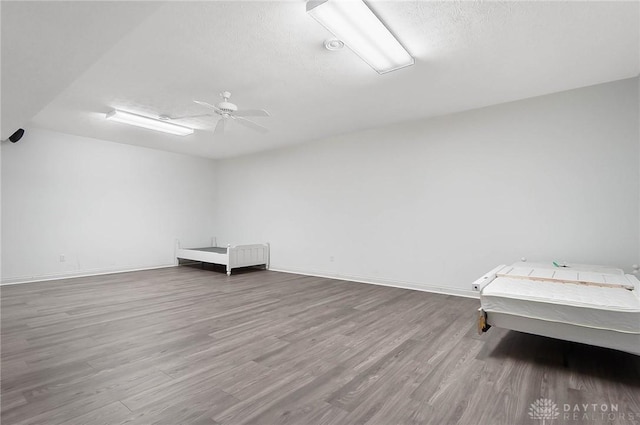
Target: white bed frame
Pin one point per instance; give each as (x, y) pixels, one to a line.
(629, 343)
(233, 258)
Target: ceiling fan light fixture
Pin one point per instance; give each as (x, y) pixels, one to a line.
(148, 123)
(359, 28)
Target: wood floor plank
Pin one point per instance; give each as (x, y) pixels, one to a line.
(195, 406)
(298, 404)
(189, 345)
(105, 415)
(99, 390)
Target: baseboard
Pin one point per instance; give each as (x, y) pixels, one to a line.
(382, 282)
(352, 278)
(77, 273)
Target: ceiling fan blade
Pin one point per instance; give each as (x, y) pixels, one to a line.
(219, 130)
(207, 105)
(252, 125)
(252, 113)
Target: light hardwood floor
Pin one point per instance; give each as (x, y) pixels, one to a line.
(192, 346)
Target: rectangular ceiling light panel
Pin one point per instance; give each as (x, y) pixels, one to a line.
(150, 123)
(360, 29)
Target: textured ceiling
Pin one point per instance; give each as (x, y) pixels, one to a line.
(160, 57)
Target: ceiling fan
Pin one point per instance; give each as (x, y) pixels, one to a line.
(227, 110)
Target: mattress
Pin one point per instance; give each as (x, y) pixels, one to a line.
(586, 275)
(569, 266)
(219, 250)
(606, 308)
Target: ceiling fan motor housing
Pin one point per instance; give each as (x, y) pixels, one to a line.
(227, 107)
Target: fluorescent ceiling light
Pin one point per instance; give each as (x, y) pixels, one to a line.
(358, 27)
(150, 123)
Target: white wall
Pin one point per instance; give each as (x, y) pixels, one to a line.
(438, 202)
(428, 204)
(104, 206)
(637, 264)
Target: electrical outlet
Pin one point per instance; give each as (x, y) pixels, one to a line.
(62, 258)
(331, 259)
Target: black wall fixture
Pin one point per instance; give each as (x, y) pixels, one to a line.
(15, 137)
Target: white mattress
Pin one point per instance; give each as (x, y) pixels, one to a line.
(606, 308)
(569, 266)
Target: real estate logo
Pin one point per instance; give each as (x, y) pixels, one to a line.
(544, 409)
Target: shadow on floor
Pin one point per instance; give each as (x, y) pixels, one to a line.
(221, 268)
(598, 362)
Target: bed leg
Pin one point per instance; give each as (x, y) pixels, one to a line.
(266, 266)
(483, 326)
